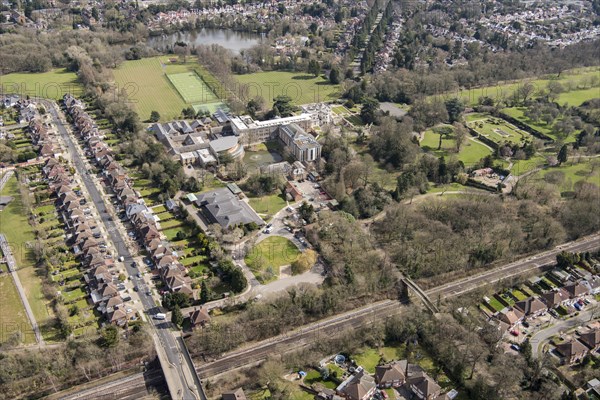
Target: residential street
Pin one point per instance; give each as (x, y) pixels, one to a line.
(175, 354)
(539, 339)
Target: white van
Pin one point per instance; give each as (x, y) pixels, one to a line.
(160, 316)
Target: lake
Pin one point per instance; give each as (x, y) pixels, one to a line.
(232, 40)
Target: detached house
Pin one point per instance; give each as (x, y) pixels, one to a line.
(199, 317)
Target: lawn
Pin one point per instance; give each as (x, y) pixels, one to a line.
(172, 223)
(18, 232)
(192, 260)
(267, 204)
(368, 359)
(301, 87)
(519, 295)
(12, 312)
(73, 295)
(52, 84)
(540, 126)
(504, 90)
(268, 256)
(576, 172)
(470, 153)
(171, 233)
(495, 304)
(149, 89)
(313, 376)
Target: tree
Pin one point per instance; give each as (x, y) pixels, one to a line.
(460, 135)
(204, 292)
(109, 336)
(154, 116)
(368, 112)
(563, 154)
(304, 262)
(177, 299)
(334, 75)
(177, 317)
(314, 67)
(282, 106)
(455, 108)
(526, 90)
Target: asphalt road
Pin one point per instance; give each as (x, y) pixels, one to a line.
(162, 328)
(541, 337)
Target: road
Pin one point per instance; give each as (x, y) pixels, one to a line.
(190, 389)
(12, 268)
(541, 337)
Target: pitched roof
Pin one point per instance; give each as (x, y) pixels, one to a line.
(571, 348)
(576, 289)
(530, 305)
(424, 385)
(591, 339)
(389, 372)
(555, 297)
(235, 395)
(226, 209)
(359, 386)
(199, 316)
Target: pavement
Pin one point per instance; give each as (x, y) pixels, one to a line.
(162, 329)
(12, 267)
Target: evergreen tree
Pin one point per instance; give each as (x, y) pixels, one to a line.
(177, 317)
(204, 292)
(563, 154)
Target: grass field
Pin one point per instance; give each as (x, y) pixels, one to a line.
(575, 173)
(504, 90)
(18, 232)
(191, 88)
(540, 126)
(301, 87)
(52, 84)
(268, 256)
(12, 313)
(149, 89)
(470, 153)
(267, 204)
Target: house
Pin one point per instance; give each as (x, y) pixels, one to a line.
(591, 339)
(555, 298)
(531, 307)
(510, 316)
(222, 207)
(360, 386)
(199, 317)
(235, 395)
(423, 387)
(571, 352)
(170, 204)
(576, 289)
(390, 375)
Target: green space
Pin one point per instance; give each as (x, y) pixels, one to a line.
(313, 376)
(576, 76)
(540, 126)
(354, 120)
(573, 172)
(368, 359)
(159, 209)
(149, 89)
(301, 87)
(470, 152)
(172, 223)
(12, 313)
(52, 84)
(171, 233)
(192, 88)
(520, 167)
(73, 295)
(499, 131)
(15, 226)
(340, 110)
(192, 260)
(268, 256)
(519, 295)
(267, 204)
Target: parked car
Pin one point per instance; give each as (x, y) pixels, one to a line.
(515, 347)
(514, 333)
(525, 324)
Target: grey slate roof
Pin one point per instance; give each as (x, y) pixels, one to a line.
(223, 207)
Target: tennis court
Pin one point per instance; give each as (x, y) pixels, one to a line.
(192, 88)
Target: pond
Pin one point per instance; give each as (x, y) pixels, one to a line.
(232, 40)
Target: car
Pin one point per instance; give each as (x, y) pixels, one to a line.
(553, 313)
(134, 264)
(586, 301)
(149, 293)
(525, 324)
(135, 289)
(514, 333)
(129, 311)
(515, 347)
(139, 275)
(121, 258)
(384, 394)
(316, 186)
(269, 226)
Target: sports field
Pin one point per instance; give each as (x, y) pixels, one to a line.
(148, 83)
(192, 88)
(52, 84)
(301, 87)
